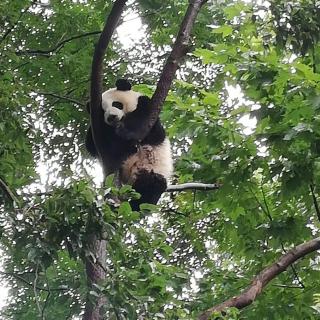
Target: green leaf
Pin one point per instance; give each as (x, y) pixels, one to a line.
(206, 55)
(226, 30)
(211, 99)
(234, 10)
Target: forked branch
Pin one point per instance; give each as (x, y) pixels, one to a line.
(95, 269)
(263, 278)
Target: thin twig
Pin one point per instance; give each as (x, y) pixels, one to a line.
(263, 278)
(54, 95)
(46, 300)
(14, 25)
(287, 286)
(266, 204)
(172, 188)
(315, 202)
(57, 47)
(8, 191)
(264, 210)
(61, 44)
(267, 210)
(45, 305)
(35, 289)
(294, 271)
(29, 284)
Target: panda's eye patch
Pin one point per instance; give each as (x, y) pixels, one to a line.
(117, 105)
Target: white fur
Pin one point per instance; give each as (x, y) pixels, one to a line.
(151, 158)
(113, 112)
(128, 98)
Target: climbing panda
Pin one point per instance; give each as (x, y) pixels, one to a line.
(144, 164)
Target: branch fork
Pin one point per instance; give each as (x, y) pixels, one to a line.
(95, 273)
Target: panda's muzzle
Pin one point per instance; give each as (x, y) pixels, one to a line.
(112, 118)
(114, 114)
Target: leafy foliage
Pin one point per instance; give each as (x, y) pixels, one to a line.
(244, 112)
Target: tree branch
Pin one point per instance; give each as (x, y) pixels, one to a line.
(193, 186)
(54, 95)
(263, 278)
(57, 47)
(179, 50)
(96, 112)
(7, 191)
(95, 268)
(61, 44)
(30, 284)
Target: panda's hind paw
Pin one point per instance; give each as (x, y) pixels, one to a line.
(150, 185)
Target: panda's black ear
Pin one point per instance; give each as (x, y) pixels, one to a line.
(123, 85)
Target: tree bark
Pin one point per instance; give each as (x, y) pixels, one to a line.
(96, 261)
(263, 278)
(95, 269)
(96, 112)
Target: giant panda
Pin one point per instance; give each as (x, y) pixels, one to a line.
(146, 165)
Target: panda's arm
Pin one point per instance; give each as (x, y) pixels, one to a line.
(132, 126)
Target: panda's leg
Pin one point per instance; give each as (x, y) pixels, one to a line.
(150, 185)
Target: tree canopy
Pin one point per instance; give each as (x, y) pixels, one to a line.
(243, 114)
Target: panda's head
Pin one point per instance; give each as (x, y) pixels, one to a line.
(119, 101)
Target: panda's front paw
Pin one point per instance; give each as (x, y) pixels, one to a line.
(123, 132)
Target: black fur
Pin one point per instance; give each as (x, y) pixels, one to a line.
(123, 85)
(117, 104)
(150, 185)
(121, 140)
(130, 126)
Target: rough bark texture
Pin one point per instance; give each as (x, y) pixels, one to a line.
(263, 278)
(95, 269)
(95, 266)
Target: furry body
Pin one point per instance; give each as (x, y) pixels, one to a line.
(146, 163)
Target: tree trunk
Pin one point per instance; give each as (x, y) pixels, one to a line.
(95, 268)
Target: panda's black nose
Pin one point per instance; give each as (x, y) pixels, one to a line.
(112, 118)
